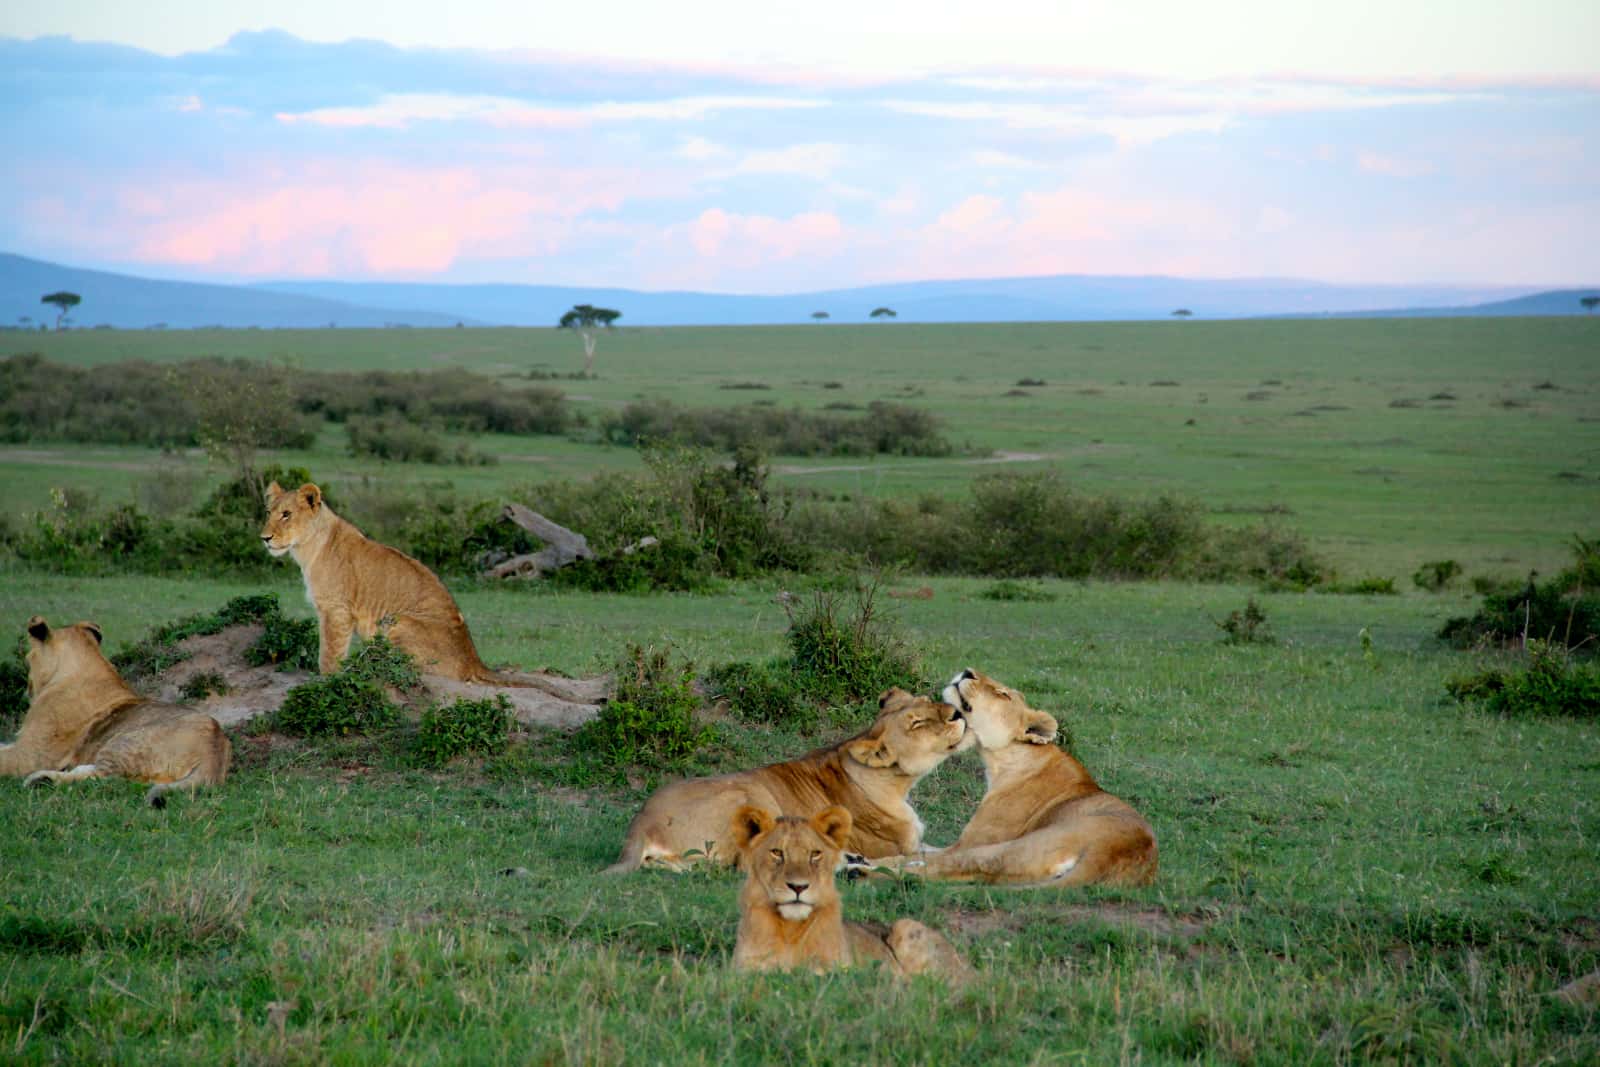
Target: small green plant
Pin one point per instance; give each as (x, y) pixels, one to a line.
(1247, 627)
(1365, 587)
(651, 718)
(849, 656)
(1012, 590)
(202, 684)
(384, 663)
(476, 727)
(291, 644)
(1435, 576)
(1550, 683)
(763, 692)
(335, 705)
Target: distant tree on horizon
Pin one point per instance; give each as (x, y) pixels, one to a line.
(586, 319)
(1589, 303)
(64, 302)
(819, 315)
(1182, 313)
(882, 313)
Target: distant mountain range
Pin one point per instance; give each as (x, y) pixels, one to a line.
(130, 302)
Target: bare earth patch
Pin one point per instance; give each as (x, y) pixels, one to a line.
(543, 699)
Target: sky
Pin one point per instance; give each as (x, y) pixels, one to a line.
(804, 146)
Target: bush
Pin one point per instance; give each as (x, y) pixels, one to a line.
(335, 705)
(837, 659)
(13, 689)
(1565, 610)
(479, 727)
(1435, 576)
(202, 684)
(884, 429)
(291, 644)
(1009, 590)
(1365, 587)
(457, 399)
(400, 440)
(1551, 683)
(1247, 627)
(650, 720)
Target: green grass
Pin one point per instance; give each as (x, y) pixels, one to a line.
(1353, 867)
(1496, 478)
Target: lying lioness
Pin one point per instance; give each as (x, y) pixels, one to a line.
(359, 586)
(869, 775)
(84, 721)
(1043, 820)
(790, 914)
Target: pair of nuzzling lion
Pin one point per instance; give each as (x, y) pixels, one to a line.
(1043, 821)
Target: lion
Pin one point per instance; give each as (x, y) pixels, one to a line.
(359, 586)
(790, 914)
(870, 775)
(1043, 820)
(84, 721)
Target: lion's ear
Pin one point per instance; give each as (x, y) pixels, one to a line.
(870, 751)
(38, 629)
(272, 492)
(894, 697)
(749, 823)
(94, 631)
(1038, 728)
(834, 825)
(311, 495)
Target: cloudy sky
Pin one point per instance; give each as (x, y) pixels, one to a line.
(800, 146)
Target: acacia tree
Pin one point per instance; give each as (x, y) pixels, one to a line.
(1182, 313)
(819, 315)
(882, 313)
(1589, 303)
(587, 319)
(64, 302)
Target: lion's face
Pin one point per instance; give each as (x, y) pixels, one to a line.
(913, 734)
(997, 715)
(290, 513)
(791, 860)
(61, 652)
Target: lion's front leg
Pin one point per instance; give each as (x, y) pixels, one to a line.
(334, 628)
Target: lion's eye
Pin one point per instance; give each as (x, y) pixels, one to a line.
(917, 724)
(286, 514)
(777, 854)
(816, 858)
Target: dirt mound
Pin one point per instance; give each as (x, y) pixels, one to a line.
(542, 699)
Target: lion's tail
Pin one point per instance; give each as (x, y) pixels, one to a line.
(210, 769)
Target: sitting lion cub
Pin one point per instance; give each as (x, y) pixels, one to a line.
(870, 775)
(359, 586)
(84, 721)
(790, 914)
(1043, 821)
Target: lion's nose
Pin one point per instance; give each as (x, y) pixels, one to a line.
(967, 675)
(798, 887)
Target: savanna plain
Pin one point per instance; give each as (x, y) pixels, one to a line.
(1354, 866)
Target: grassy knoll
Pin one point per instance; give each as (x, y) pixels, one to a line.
(1386, 442)
(1353, 867)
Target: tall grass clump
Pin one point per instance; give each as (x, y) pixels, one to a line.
(843, 652)
(1564, 610)
(650, 720)
(1548, 681)
(884, 429)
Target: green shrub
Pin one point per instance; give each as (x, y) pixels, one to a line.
(202, 684)
(848, 656)
(13, 689)
(1010, 590)
(291, 644)
(884, 429)
(650, 720)
(1247, 627)
(477, 727)
(384, 663)
(1565, 609)
(764, 692)
(335, 705)
(400, 440)
(1551, 683)
(1435, 576)
(1365, 587)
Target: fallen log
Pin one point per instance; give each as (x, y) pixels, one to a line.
(563, 547)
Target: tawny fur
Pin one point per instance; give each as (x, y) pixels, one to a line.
(1043, 821)
(790, 914)
(870, 775)
(359, 586)
(84, 721)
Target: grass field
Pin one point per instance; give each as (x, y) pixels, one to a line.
(1353, 867)
(1297, 419)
